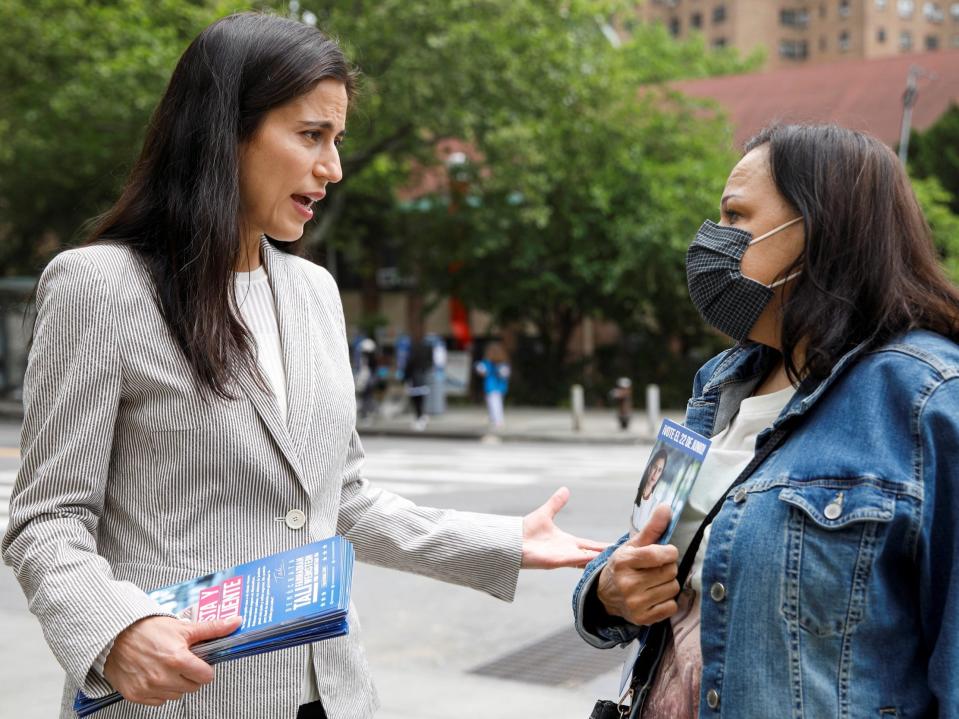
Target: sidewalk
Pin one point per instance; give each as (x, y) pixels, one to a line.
(523, 424)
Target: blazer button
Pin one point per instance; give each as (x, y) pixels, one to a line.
(712, 698)
(295, 519)
(740, 495)
(717, 592)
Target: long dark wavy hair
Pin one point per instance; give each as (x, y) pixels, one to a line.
(869, 267)
(180, 208)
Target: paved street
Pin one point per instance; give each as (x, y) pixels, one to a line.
(424, 638)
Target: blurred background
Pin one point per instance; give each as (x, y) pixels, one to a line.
(521, 172)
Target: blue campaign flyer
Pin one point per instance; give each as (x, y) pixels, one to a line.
(290, 598)
(268, 592)
(673, 466)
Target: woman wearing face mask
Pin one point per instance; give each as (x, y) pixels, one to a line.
(817, 554)
(189, 403)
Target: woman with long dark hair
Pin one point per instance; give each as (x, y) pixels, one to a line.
(647, 498)
(814, 570)
(189, 403)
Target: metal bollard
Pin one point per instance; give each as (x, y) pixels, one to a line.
(652, 407)
(577, 403)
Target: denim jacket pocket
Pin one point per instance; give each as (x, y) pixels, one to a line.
(833, 529)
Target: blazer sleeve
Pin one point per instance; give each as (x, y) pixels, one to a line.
(71, 395)
(481, 551)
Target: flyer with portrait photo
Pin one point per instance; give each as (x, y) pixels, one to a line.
(670, 473)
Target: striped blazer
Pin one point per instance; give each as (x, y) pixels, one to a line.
(130, 481)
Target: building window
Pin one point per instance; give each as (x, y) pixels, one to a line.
(881, 36)
(880, 4)
(822, 10)
(674, 26)
(793, 49)
(933, 12)
(905, 40)
(955, 40)
(843, 8)
(905, 8)
(719, 13)
(932, 42)
(696, 20)
(823, 43)
(794, 18)
(954, 11)
(719, 42)
(843, 41)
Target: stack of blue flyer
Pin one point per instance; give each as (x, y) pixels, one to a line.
(291, 598)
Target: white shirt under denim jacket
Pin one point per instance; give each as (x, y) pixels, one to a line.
(825, 613)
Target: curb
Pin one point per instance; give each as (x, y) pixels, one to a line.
(11, 409)
(467, 434)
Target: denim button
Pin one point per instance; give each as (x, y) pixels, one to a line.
(740, 495)
(712, 698)
(717, 592)
(833, 510)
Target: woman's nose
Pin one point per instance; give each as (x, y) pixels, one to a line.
(329, 168)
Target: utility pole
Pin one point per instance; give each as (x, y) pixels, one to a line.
(909, 98)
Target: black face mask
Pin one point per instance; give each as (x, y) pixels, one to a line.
(725, 298)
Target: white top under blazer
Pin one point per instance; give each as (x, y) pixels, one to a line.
(130, 480)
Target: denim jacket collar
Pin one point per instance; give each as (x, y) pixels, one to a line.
(735, 378)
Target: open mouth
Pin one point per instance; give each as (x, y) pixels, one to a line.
(303, 205)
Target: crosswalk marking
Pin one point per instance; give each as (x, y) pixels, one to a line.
(438, 467)
(432, 468)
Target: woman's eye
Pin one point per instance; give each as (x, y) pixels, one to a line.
(732, 216)
(338, 141)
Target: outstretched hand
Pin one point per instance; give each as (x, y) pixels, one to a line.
(546, 546)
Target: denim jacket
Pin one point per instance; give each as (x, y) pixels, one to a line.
(839, 555)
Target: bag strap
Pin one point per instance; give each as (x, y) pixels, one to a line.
(775, 439)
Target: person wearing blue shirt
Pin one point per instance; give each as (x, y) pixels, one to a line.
(494, 369)
(827, 583)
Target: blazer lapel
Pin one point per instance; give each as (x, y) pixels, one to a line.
(299, 380)
(293, 320)
(265, 405)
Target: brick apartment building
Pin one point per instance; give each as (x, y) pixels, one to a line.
(795, 32)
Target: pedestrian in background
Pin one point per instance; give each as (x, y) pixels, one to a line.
(416, 377)
(622, 397)
(494, 369)
(819, 573)
(367, 379)
(189, 403)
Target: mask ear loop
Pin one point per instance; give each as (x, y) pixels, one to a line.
(775, 230)
(784, 280)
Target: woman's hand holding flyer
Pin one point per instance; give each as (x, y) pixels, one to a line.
(638, 582)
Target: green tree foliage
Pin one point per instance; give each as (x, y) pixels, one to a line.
(936, 203)
(586, 189)
(935, 153)
(581, 201)
(80, 79)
